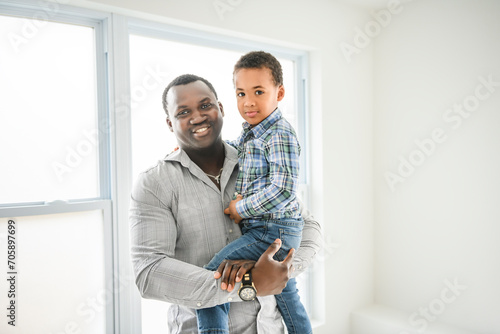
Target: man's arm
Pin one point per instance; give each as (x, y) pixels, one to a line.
(311, 243)
(158, 274)
(153, 234)
(232, 271)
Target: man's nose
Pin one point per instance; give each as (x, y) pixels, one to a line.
(198, 117)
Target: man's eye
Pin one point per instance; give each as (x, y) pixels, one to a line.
(182, 113)
(206, 105)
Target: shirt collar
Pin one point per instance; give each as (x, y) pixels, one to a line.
(263, 126)
(230, 162)
(181, 156)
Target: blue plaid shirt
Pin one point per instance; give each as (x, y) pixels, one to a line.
(268, 156)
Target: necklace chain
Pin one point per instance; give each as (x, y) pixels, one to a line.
(216, 177)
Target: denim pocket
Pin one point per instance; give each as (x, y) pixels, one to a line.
(290, 238)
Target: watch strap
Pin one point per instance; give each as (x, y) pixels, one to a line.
(247, 279)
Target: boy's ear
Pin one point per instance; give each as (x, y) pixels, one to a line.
(169, 124)
(281, 92)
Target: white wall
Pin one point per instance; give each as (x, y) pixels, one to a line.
(439, 225)
(442, 221)
(340, 124)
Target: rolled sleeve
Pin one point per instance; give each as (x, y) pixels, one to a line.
(310, 245)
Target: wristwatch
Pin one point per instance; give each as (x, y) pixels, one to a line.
(247, 289)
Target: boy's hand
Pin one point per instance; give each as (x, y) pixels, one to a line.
(231, 210)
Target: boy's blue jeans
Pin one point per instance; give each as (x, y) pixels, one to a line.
(256, 238)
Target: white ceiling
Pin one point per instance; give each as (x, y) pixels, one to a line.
(370, 4)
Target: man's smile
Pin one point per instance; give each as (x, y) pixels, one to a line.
(202, 129)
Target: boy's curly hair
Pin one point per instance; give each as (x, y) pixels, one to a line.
(261, 59)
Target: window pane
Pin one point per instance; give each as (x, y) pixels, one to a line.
(60, 280)
(154, 63)
(48, 113)
(154, 316)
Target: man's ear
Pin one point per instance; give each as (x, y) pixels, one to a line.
(221, 108)
(169, 124)
(281, 92)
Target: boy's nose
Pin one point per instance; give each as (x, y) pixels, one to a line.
(249, 103)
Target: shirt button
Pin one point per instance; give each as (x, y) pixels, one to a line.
(198, 304)
(230, 299)
(230, 230)
(241, 168)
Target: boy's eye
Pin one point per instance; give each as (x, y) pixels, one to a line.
(259, 92)
(240, 94)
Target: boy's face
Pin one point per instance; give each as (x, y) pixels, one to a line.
(256, 94)
(195, 115)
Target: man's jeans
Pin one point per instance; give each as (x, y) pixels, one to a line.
(256, 238)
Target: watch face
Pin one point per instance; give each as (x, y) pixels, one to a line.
(247, 294)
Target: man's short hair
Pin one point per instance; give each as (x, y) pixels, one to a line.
(184, 80)
(261, 59)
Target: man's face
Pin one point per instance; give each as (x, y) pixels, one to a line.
(195, 115)
(256, 94)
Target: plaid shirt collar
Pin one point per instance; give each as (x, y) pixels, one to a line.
(263, 126)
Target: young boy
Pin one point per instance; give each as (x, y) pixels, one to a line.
(265, 203)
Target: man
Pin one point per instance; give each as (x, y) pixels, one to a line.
(177, 222)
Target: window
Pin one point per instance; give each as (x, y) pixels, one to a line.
(49, 113)
(60, 281)
(54, 172)
(156, 58)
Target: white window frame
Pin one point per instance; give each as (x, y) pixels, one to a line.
(60, 13)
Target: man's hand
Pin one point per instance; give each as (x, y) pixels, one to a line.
(231, 210)
(232, 272)
(270, 276)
